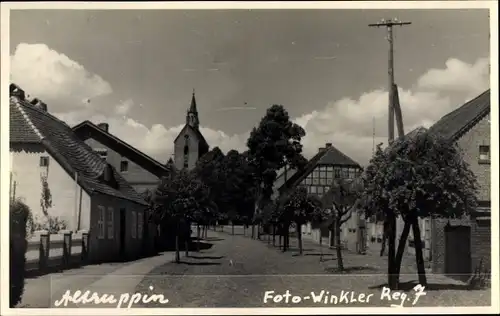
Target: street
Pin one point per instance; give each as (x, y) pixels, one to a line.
(236, 271)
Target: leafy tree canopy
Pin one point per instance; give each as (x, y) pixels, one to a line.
(420, 174)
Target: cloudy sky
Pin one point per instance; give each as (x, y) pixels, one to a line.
(136, 70)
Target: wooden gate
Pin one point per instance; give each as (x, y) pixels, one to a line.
(457, 257)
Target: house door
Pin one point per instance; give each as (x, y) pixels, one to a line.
(457, 257)
(123, 230)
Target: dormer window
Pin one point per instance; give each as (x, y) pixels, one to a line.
(108, 177)
(103, 153)
(484, 154)
(44, 161)
(124, 166)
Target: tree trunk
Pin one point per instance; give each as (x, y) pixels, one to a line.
(392, 252)
(274, 235)
(232, 228)
(198, 239)
(299, 238)
(338, 244)
(177, 249)
(253, 231)
(401, 249)
(422, 279)
(280, 236)
(244, 230)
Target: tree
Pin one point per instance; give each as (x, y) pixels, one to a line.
(239, 186)
(20, 214)
(178, 198)
(420, 175)
(300, 208)
(209, 170)
(342, 198)
(274, 143)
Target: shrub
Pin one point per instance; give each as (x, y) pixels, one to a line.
(52, 224)
(19, 214)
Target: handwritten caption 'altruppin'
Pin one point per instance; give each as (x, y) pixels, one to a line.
(346, 297)
(124, 300)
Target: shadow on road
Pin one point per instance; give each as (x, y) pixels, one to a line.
(200, 263)
(198, 245)
(317, 254)
(206, 257)
(213, 239)
(350, 269)
(408, 286)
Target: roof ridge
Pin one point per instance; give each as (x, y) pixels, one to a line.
(342, 153)
(46, 113)
(19, 106)
(124, 142)
(463, 105)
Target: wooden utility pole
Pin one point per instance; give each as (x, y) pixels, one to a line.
(388, 24)
(390, 221)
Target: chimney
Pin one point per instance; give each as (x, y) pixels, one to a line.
(15, 91)
(103, 126)
(39, 104)
(327, 146)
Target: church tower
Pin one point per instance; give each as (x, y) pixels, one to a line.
(190, 144)
(192, 114)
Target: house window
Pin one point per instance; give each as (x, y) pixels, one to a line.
(103, 153)
(484, 153)
(44, 161)
(124, 166)
(337, 173)
(140, 221)
(133, 222)
(110, 220)
(101, 221)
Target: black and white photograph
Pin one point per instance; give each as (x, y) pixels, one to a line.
(198, 156)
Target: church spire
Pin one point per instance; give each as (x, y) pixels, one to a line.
(192, 114)
(193, 104)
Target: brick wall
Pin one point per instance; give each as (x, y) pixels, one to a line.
(469, 143)
(480, 240)
(480, 223)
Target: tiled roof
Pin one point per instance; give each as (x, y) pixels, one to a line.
(30, 124)
(87, 129)
(453, 125)
(328, 156)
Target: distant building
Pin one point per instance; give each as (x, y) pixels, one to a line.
(190, 144)
(458, 245)
(317, 176)
(139, 169)
(49, 162)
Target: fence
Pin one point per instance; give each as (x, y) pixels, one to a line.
(56, 251)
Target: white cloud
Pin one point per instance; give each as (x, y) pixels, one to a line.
(124, 107)
(54, 77)
(347, 123)
(458, 76)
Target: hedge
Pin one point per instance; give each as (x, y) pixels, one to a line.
(19, 215)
